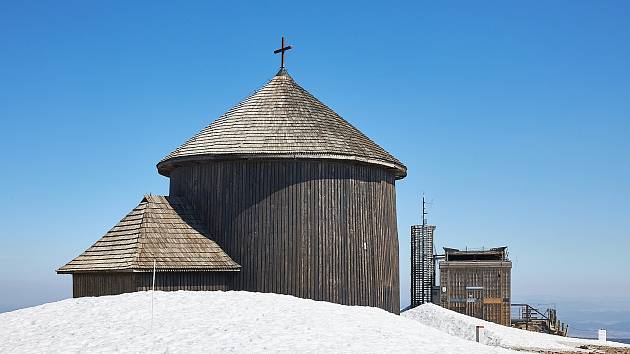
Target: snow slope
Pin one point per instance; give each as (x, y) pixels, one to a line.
(463, 326)
(189, 322)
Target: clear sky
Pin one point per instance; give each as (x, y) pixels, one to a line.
(513, 117)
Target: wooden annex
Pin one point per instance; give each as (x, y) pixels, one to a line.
(297, 200)
(160, 229)
(477, 283)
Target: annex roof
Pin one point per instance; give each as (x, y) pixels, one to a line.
(164, 229)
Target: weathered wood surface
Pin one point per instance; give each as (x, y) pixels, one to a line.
(160, 229)
(114, 283)
(315, 229)
(193, 281)
(492, 299)
(281, 120)
(100, 283)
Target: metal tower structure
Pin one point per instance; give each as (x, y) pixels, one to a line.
(422, 261)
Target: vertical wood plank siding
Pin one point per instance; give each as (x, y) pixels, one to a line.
(316, 229)
(99, 284)
(194, 281)
(491, 303)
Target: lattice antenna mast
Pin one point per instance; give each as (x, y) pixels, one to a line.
(423, 240)
(421, 260)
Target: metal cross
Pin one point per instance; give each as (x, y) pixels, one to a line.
(282, 50)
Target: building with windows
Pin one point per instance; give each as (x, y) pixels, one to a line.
(477, 283)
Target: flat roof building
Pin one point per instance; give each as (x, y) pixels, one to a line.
(477, 283)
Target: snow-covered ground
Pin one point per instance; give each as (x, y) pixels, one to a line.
(213, 322)
(463, 326)
(244, 322)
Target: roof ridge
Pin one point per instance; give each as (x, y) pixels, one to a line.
(159, 226)
(134, 262)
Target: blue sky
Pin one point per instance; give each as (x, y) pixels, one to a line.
(513, 118)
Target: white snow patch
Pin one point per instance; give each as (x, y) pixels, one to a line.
(463, 326)
(212, 322)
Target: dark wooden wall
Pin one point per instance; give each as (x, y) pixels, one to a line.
(102, 283)
(315, 229)
(98, 284)
(173, 281)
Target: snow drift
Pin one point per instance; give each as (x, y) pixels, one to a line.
(463, 326)
(186, 322)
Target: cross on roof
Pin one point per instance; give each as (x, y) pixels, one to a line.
(282, 50)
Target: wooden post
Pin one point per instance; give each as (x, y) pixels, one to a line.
(478, 331)
(601, 335)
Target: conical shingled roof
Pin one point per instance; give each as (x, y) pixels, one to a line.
(281, 120)
(160, 228)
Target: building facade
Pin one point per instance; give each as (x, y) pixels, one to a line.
(477, 283)
(299, 199)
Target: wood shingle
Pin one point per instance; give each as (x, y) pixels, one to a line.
(281, 120)
(164, 229)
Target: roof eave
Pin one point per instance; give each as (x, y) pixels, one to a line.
(148, 270)
(72, 271)
(166, 166)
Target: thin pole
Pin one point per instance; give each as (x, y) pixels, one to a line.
(152, 292)
(153, 285)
